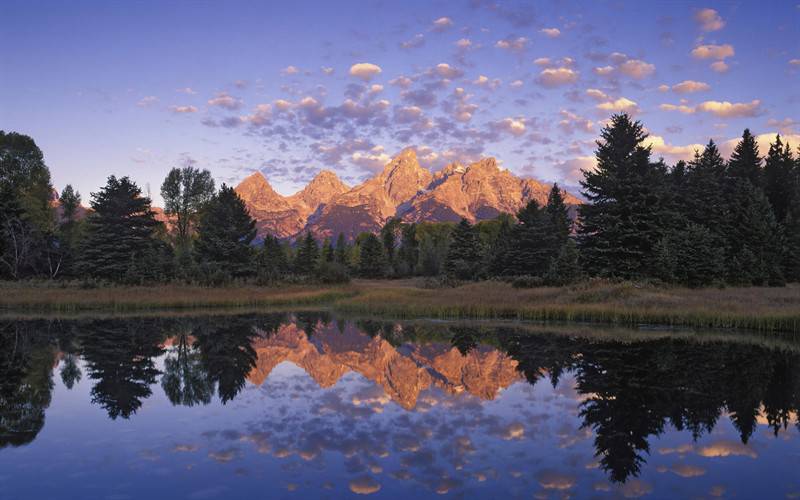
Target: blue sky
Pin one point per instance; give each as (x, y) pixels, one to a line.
(290, 88)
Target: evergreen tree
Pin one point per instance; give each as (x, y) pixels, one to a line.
(464, 255)
(372, 261)
(745, 162)
(560, 225)
(691, 257)
(779, 178)
(755, 240)
(121, 243)
(64, 251)
(307, 256)
(273, 261)
(341, 252)
(327, 250)
(628, 211)
(791, 229)
(389, 234)
(530, 246)
(225, 231)
(408, 254)
(500, 250)
(564, 268)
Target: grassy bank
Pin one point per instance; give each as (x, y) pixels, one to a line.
(625, 304)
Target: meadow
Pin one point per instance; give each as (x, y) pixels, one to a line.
(623, 304)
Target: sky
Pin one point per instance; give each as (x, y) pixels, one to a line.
(291, 88)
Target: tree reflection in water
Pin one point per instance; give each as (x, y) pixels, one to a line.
(631, 391)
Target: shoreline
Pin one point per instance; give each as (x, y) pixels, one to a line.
(620, 304)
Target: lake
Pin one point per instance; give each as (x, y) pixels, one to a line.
(309, 405)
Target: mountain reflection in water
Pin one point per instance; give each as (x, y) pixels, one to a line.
(377, 407)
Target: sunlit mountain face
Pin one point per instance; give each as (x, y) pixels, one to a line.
(291, 89)
(311, 405)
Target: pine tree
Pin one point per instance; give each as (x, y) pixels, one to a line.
(307, 256)
(372, 261)
(755, 239)
(341, 253)
(327, 250)
(564, 268)
(273, 262)
(704, 200)
(691, 257)
(560, 225)
(408, 253)
(500, 251)
(225, 231)
(628, 211)
(120, 244)
(389, 238)
(779, 178)
(531, 243)
(745, 162)
(464, 255)
(791, 230)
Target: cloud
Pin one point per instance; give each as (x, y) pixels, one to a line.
(711, 51)
(419, 97)
(365, 71)
(636, 488)
(709, 20)
(407, 114)
(637, 69)
(554, 77)
(327, 70)
(542, 61)
(686, 470)
(763, 141)
(597, 95)
(186, 90)
(464, 43)
(553, 480)
(720, 66)
(660, 147)
(621, 105)
(372, 160)
(485, 81)
(183, 109)
(415, 41)
(726, 449)
(261, 115)
(364, 485)
(725, 109)
(513, 126)
(516, 84)
(570, 122)
(690, 86)
(603, 70)
(442, 24)
(146, 102)
(571, 169)
(225, 100)
(682, 108)
(794, 62)
(512, 44)
(446, 71)
(401, 81)
(289, 70)
(550, 32)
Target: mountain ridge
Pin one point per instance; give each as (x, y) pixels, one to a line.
(326, 206)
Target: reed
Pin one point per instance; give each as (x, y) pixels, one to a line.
(623, 304)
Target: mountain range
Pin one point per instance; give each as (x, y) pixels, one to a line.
(327, 207)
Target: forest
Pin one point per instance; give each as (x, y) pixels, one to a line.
(705, 222)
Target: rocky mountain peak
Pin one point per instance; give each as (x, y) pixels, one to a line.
(403, 176)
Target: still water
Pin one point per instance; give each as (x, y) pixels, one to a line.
(307, 405)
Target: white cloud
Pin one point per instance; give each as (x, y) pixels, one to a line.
(636, 68)
(621, 105)
(794, 62)
(682, 108)
(690, 86)
(147, 101)
(554, 77)
(711, 51)
(550, 32)
(372, 160)
(415, 41)
(571, 169)
(365, 71)
(327, 70)
(671, 152)
(709, 20)
(597, 95)
(603, 70)
(542, 61)
(446, 71)
(514, 126)
(725, 109)
(442, 23)
(513, 44)
(516, 84)
(183, 109)
(401, 81)
(225, 100)
(485, 81)
(290, 70)
(186, 90)
(720, 66)
(663, 88)
(570, 122)
(464, 43)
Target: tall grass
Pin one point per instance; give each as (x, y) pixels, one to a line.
(622, 304)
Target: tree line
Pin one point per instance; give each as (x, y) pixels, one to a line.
(698, 223)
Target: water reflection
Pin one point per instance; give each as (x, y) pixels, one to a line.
(449, 405)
